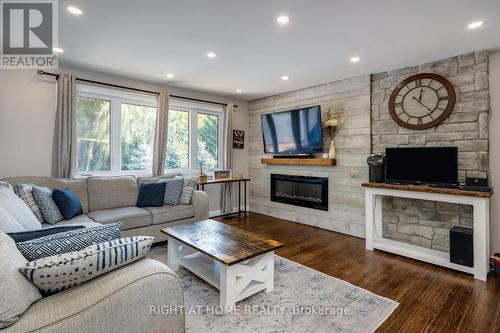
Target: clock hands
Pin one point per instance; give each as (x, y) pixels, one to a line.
(421, 91)
(422, 104)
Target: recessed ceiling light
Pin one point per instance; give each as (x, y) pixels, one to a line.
(211, 55)
(58, 50)
(475, 25)
(170, 75)
(355, 59)
(284, 77)
(239, 91)
(282, 19)
(74, 10)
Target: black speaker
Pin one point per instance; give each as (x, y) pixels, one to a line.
(462, 246)
(376, 168)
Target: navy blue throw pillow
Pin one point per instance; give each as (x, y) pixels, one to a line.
(24, 236)
(151, 195)
(68, 203)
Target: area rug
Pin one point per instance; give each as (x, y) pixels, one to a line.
(304, 300)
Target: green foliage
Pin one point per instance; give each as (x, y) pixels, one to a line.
(138, 130)
(93, 128)
(178, 140)
(208, 138)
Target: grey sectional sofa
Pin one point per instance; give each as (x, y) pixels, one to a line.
(112, 199)
(122, 300)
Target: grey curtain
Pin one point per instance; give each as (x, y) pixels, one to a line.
(161, 134)
(65, 135)
(227, 161)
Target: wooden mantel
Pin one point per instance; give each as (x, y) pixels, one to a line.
(429, 189)
(300, 161)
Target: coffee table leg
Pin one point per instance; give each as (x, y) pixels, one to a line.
(173, 253)
(259, 269)
(227, 286)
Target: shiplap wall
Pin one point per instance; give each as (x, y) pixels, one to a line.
(346, 196)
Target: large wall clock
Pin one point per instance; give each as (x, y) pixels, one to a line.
(422, 101)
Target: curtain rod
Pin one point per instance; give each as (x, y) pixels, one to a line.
(40, 72)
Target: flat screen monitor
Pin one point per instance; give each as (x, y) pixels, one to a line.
(294, 131)
(430, 165)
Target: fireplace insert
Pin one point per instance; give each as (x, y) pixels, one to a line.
(311, 192)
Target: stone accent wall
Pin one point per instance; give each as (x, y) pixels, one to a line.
(346, 196)
(427, 223)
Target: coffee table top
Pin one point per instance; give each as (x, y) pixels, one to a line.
(222, 242)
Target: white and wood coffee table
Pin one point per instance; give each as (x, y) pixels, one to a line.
(237, 262)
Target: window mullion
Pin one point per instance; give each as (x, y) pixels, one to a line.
(194, 139)
(116, 135)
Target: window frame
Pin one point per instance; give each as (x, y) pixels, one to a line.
(195, 108)
(116, 98)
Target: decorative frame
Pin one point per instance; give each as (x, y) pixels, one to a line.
(238, 139)
(222, 174)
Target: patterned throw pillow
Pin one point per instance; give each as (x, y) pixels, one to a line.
(23, 236)
(188, 189)
(173, 190)
(61, 272)
(44, 201)
(68, 241)
(24, 191)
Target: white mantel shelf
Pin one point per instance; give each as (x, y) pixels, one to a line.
(478, 200)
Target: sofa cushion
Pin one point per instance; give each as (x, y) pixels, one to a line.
(78, 220)
(68, 203)
(151, 195)
(43, 198)
(16, 292)
(8, 223)
(173, 190)
(130, 217)
(77, 185)
(68, 241)
(170, 213)
(18, 210)
(112, 192)
(152, 180)
(24, 191)
(24, 236)
(61, 272)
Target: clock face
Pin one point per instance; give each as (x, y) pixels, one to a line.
(422, 101)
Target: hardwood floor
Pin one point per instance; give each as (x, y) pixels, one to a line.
(432, 299)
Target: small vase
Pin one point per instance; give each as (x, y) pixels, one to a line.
(331, 149)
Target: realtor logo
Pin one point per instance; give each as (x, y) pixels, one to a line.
(29, 34)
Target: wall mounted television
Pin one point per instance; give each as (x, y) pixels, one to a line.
(429, 165)
(293, 132)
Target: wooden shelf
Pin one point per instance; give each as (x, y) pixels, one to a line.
(300, 161)
(428, 189)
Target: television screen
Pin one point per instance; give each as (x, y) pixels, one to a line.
(430, 165)
(295, 131)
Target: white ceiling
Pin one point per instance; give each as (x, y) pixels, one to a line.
(147, 39)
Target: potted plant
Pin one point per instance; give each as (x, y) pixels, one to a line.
(332, 123)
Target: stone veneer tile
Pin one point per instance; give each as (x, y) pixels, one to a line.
(466, 128)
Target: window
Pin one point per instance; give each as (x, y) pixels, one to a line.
(194, 136)
(115, 131)
(94, 121)
(138, 135)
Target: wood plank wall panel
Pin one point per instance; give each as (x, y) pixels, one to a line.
(353, 144)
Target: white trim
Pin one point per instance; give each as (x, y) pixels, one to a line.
(195, 108)
(116, 97)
